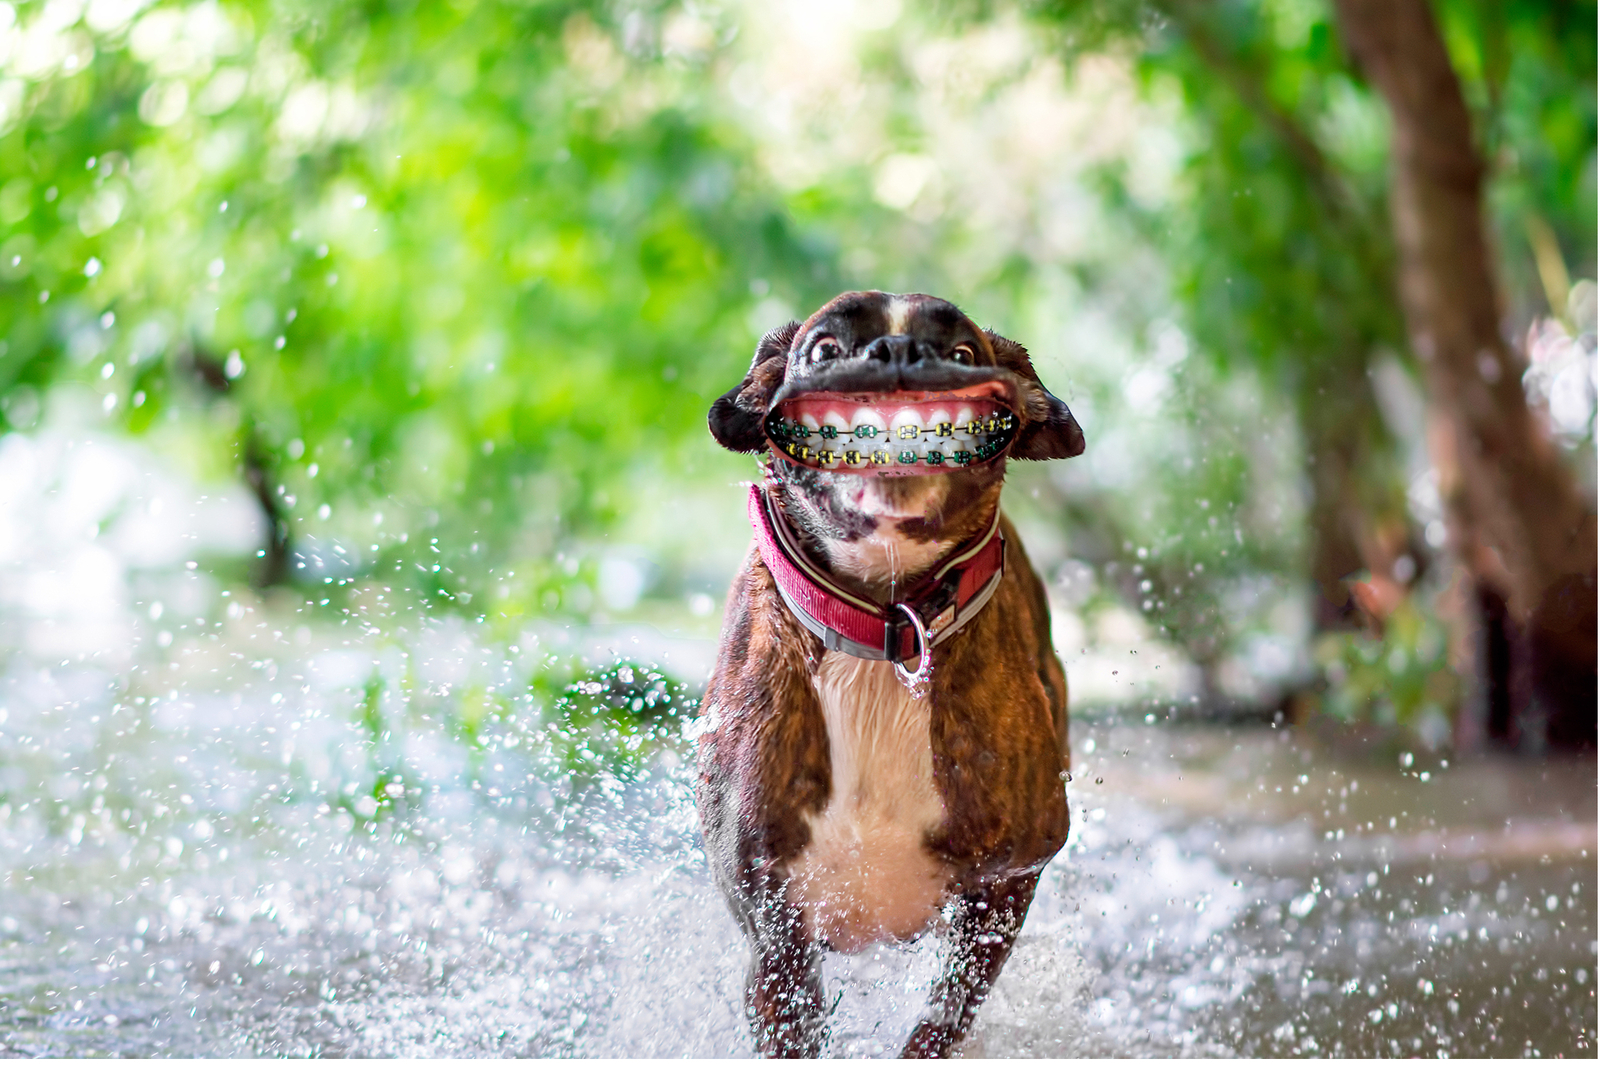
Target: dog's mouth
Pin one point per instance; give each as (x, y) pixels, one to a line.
(893, 434)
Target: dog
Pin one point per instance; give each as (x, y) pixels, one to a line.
(846, 796)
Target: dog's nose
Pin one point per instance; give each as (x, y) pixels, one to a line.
(896, 350)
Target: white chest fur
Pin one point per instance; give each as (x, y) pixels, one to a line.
(866, 875)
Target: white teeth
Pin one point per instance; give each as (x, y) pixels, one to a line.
(905, 428)
(843, 438)
(866, 416)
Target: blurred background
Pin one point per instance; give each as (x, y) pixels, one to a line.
(362, 547)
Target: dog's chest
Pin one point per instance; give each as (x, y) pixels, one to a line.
(866, 875)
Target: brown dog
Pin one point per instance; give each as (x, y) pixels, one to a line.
(846, 797)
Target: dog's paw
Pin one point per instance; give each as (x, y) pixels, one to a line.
(792, 1039)
(930, 1040)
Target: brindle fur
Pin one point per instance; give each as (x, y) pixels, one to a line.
(998, 707)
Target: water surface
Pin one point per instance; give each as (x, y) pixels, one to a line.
(269, 837)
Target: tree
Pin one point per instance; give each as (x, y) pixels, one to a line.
(1519, 523)
(432, 281)
(449, 288)
(1293, 267)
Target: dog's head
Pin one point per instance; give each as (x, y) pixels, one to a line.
(891, 409)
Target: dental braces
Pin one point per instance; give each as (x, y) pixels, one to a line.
(793, 439)
(799, 431)
(852, 457)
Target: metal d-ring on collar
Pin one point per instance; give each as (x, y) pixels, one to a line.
(925, 646)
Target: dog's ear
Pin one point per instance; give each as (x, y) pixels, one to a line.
(1049, 431)
(737, 415)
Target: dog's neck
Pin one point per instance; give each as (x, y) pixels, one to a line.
(884, 563)
(877, 537)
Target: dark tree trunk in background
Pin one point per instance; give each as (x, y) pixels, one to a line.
(1335, 553)
(274, 568)
(1336, 414)
(256, 466)
(1518, 521)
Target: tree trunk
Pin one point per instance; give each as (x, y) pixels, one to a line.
(1358, 517)
(1518, 521)
(1338, 416)
(256, 466)
(274, 568)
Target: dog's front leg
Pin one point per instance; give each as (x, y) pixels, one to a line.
(982, 931)
(783, 993)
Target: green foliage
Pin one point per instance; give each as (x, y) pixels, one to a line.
(1402, 677)
(611, 722)
(1529, 73)
(1280, 247)
(453, 285)
(443, 271)
(367, 804)
(1280, 243)
(568, 725)
(1285, 255)
(1280, 257)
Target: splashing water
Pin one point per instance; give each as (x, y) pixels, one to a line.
(270, 839)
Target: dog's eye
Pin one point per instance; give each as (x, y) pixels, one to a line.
(962, 353)
(826, 348)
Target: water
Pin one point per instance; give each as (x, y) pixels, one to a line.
(275, 835)
(1354, 909)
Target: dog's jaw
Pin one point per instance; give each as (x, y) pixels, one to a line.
(894, 499)
(887, 557)
(880, 534)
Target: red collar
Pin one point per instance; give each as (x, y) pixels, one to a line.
(930, 612)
